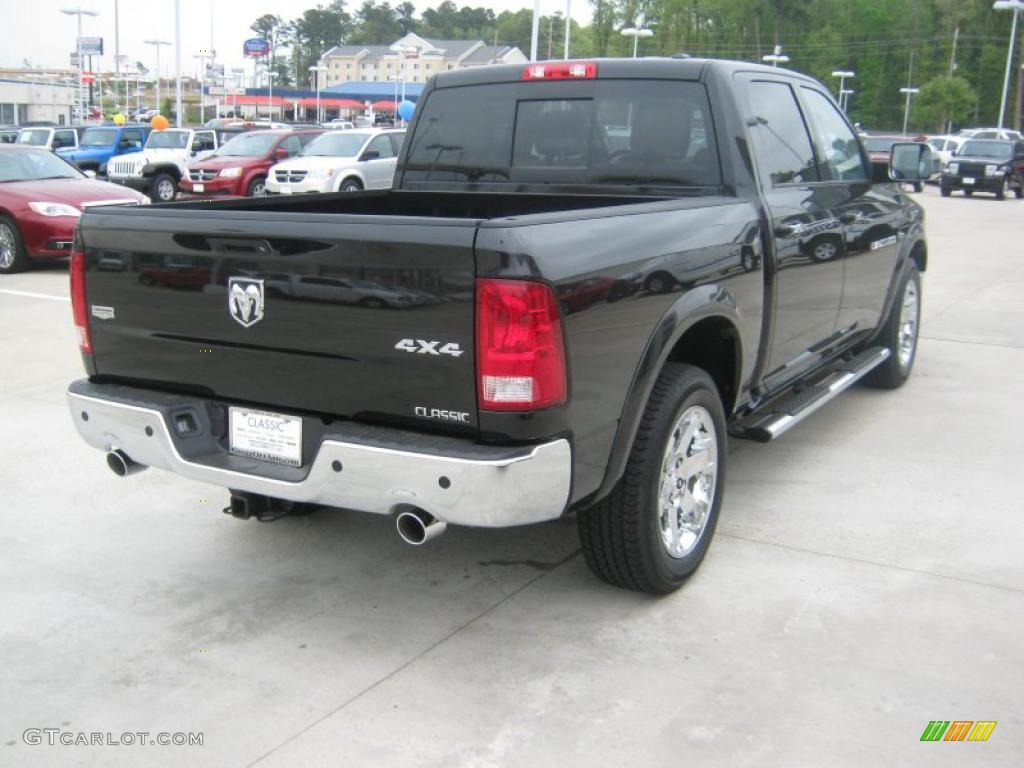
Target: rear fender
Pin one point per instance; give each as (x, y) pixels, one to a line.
(693, 307)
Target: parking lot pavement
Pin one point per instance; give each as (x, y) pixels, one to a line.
(867, 578)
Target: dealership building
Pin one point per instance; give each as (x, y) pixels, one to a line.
(26, 98)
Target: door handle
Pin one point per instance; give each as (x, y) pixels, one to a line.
(849, 218)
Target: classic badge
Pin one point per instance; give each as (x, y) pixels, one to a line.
(245, 300)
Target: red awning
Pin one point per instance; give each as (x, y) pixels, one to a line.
(327, 101)
(385, 105)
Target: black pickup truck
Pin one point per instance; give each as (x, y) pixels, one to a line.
(586, 277)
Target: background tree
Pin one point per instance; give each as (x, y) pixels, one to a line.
(943, 99)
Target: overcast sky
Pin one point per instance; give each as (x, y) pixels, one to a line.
(36, 30)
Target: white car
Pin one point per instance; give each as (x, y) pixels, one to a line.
(157, 169)
(339, 161)
(1004, 134)
(944, 147)
(340, 125)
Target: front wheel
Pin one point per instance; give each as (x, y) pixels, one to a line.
(1001, 192)
(351, 185)
(945, 191)
(654, 528)
(899, 334)
(164, 188)
(1019, 191)
(258, 187)
(13, 257)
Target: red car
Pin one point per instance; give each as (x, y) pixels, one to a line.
(41, 198)
(239, 167)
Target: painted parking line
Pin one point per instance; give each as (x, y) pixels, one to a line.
(31, 295)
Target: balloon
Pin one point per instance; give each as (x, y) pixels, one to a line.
(119, 119)
(405, 110)
(160, 123)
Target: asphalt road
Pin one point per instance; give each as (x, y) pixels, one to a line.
(867, 578)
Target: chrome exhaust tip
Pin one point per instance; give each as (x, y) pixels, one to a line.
(121, 464)
(417, 527)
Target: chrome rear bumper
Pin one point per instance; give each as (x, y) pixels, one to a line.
(370, 469)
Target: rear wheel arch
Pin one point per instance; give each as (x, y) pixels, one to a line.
(706, 337)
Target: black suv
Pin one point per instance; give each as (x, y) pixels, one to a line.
(986, 165)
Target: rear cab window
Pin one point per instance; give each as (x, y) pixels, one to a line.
(603, 132)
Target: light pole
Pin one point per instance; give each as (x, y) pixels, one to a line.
(79, 12)
(177, 63)
(316, 70)
(906, 110)
(270, 93)
(1016, 6)
(535, 30)
(395, 79)
(776, 57)
(636, 33)
(842, 75)
(844, 98)
(568, 25)
(202, 83)
(157, 43)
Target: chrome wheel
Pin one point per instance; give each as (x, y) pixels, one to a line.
(258, 189)
(908, 325)
(8, 247)
(825, 251)
(165, 190)
(689, 478)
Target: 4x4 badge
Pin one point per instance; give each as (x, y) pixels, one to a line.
(245, 300)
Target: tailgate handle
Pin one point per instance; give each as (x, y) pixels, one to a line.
(247, 246)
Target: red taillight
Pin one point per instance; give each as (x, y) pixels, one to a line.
(520, 358)
(561, 70)
(78, 306)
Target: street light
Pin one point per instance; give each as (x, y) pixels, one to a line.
(844, 98)
(636, 33)
(157, 43)
(202, 83)
(842, 75)
(79, 12)
(316, 70)
(270, 93)
(1016, 6)
(906, 110)
(776, 57)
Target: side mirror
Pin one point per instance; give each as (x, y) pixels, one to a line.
(281, 153)
(90, 174)
(370, 154)
(910, 162)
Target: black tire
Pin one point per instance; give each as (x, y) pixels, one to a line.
(158, 190)
(621, 536)
(945, 191)
(13, 256)
(1001, 192)
(350, 185)
(1019, 191)
(918, 186)
(968, 192)
(372, 302)
(660, 282)
(257, 187)
(894, 372)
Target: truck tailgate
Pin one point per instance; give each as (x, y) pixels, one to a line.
(347, 315)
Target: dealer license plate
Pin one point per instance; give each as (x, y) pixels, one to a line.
(198, 188)
(286, 190)
(968, 180)
(266, 436)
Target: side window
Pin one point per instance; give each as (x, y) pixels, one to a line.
(132, 137)
(836, 141)
(292, 145)
(64, 139)
(305, 138)
(783, 146)
(382, 145)
(203, 142)
(396, 141)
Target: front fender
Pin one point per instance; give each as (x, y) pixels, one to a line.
(694, 306)
(350, 173)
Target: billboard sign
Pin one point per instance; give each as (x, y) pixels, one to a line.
(91, 46)
(256, 47)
